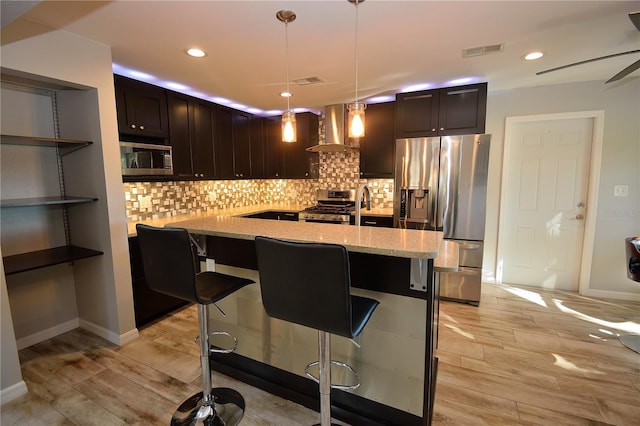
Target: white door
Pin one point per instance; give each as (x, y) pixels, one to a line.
(544, 202)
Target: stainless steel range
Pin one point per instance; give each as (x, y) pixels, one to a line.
(334, 206)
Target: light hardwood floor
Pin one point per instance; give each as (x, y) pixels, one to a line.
(523, 357)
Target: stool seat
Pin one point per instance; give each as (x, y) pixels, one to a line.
(310, 284)
(171, 267)
(212, 287)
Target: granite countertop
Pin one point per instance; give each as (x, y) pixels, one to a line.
(448, 257)
(233, 211)
(396, 242)
(385, 241)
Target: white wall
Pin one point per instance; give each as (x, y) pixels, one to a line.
(617, 217)
(106, 304)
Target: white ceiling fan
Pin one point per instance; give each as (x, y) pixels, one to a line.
(635, 19)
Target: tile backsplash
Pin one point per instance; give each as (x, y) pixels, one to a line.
(152, 200)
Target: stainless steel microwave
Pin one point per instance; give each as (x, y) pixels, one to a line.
(142, 159)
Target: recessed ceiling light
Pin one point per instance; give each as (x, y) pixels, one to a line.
(196, 53)
(285, 94)
(533, 55)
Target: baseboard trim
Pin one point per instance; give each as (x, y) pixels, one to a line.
(13, 392)
(41, 336)
(617, 295)
(47, 334)
(117, 339)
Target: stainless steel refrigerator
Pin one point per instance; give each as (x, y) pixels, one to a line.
(441, 184)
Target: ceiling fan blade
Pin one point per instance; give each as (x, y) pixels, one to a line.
(635, 18)
(588, 61)
(628, 70)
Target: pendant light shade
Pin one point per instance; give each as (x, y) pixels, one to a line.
(288, 126)
(356, 123)
(289, 133)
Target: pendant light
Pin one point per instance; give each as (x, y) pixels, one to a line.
(356, 108)
(289, 133)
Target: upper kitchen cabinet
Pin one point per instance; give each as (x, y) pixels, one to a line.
(378, 146)
(274, 163)
(241, 130)
(298, 162)
(191, 133)
(448, 111)
(258, 150)
(142, 109)
(223, 145)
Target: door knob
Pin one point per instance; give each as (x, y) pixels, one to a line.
(580, 204)
(579, 216)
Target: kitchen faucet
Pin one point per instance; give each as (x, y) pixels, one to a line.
(362, 191)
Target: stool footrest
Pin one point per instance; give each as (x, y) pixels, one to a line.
(221, 350)
(334, 386)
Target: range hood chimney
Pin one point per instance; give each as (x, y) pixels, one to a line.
(334, 132)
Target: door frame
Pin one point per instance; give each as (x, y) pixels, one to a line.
(592, 192)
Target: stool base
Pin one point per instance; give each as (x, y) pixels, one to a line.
(632, 341)
(228, 409)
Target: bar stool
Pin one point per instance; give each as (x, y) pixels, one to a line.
(632, 249)
(309, 284)
(170, 267)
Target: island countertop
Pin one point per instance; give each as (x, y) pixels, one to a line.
(394, 242)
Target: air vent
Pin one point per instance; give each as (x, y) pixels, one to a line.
(307, 81)
(482, 50)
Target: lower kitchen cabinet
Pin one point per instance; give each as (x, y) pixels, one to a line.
(275, 215)
(148, 304)
(377, 221)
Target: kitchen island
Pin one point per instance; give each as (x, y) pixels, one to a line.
(396, 360)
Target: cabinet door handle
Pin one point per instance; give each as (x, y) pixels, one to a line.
(441, 128)
(433, 130)
(133, 126)
(141, 127)
(367, 222)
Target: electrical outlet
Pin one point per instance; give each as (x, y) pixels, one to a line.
(145, 202)
(621, 190)
(211, 265)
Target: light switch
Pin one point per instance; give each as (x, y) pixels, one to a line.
(621, 190)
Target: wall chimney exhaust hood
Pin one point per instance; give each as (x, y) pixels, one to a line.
(334, 131)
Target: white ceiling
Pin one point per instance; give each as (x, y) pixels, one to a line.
(401, 43)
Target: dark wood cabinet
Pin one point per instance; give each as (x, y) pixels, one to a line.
(273, 145)
(275, 215)
(236, 147)
(448, 111)
(191, 133)
(377, 221)
(141, 109)
(378, 146)
(298, 162)
(241, 136)
(224, 143)
(257, 150)
(148, 304)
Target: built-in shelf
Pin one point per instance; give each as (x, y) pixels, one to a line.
(43, 258)
(52, 256)
(65, 146)
(45, 201)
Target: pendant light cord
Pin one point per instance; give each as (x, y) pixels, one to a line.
(356, 49)
(286, 58)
